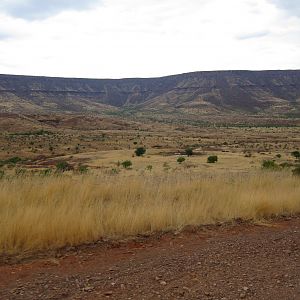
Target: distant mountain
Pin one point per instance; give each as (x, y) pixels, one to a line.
(250, 92)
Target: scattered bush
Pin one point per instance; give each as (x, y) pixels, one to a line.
(189, 151)
(20, 172)
(149, 168)
(2, 174)
(278, 155)
(114, 171)
(140, 151)
(82, 169)
(166, 166)
(13, 160)
(285, 165)
(296, 154)
(126, 164)
(63, 166)
(180, 159)
(269, 164)
(296, 171)
(37, 132)
(46, 172)
(212, 159)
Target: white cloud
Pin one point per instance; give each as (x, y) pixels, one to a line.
(36, 9)
(133, 38)
(292, 7)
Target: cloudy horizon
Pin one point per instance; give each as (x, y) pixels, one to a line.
(133, 38)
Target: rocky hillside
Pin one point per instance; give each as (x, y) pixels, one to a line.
(275, 92)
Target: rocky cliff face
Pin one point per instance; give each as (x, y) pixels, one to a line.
(246, 91)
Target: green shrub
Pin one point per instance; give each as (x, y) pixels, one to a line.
(296, 154)
(149, 168)
(46, 172)
(189, 151)
(285, 165)
(20, 172)
(13, 160)
(269, 164)
(63, 166)
(180, 159)
(296, 171)
(126, 164)
(114, 171)
(166, 166)
(82, 169)
(140, 151)
(278, 155)
(212, 159)
(2, 174)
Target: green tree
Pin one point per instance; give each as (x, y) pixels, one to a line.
(212, 159)
(189, 151)
(296, 154)
(140, 151)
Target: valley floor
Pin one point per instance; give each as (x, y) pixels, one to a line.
(241, 261)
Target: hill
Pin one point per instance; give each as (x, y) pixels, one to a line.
(273, 93)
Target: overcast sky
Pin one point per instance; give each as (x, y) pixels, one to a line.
(146, 38)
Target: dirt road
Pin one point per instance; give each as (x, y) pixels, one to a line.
(219, 262)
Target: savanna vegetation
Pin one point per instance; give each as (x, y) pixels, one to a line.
(78, 181)
(46, 212)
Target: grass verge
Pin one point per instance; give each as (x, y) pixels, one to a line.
(39, 213)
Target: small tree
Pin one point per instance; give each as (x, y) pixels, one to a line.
(126, 164)
(296, 154)
(140, 151)
(189, 151)
(180, 159)
(212, 159)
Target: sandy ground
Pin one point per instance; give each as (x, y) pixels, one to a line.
(240, 261)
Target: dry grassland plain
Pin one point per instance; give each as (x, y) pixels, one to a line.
(41, 209)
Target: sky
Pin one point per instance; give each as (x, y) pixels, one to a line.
(147, 38)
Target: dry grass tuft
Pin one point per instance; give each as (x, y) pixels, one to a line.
(41, 213)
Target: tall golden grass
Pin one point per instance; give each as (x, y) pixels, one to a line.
(41, 213)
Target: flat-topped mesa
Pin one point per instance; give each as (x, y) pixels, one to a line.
(248, 91)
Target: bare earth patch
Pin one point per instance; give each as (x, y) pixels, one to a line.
(217, 262)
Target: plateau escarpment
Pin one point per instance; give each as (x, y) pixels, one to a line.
(270, 92)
